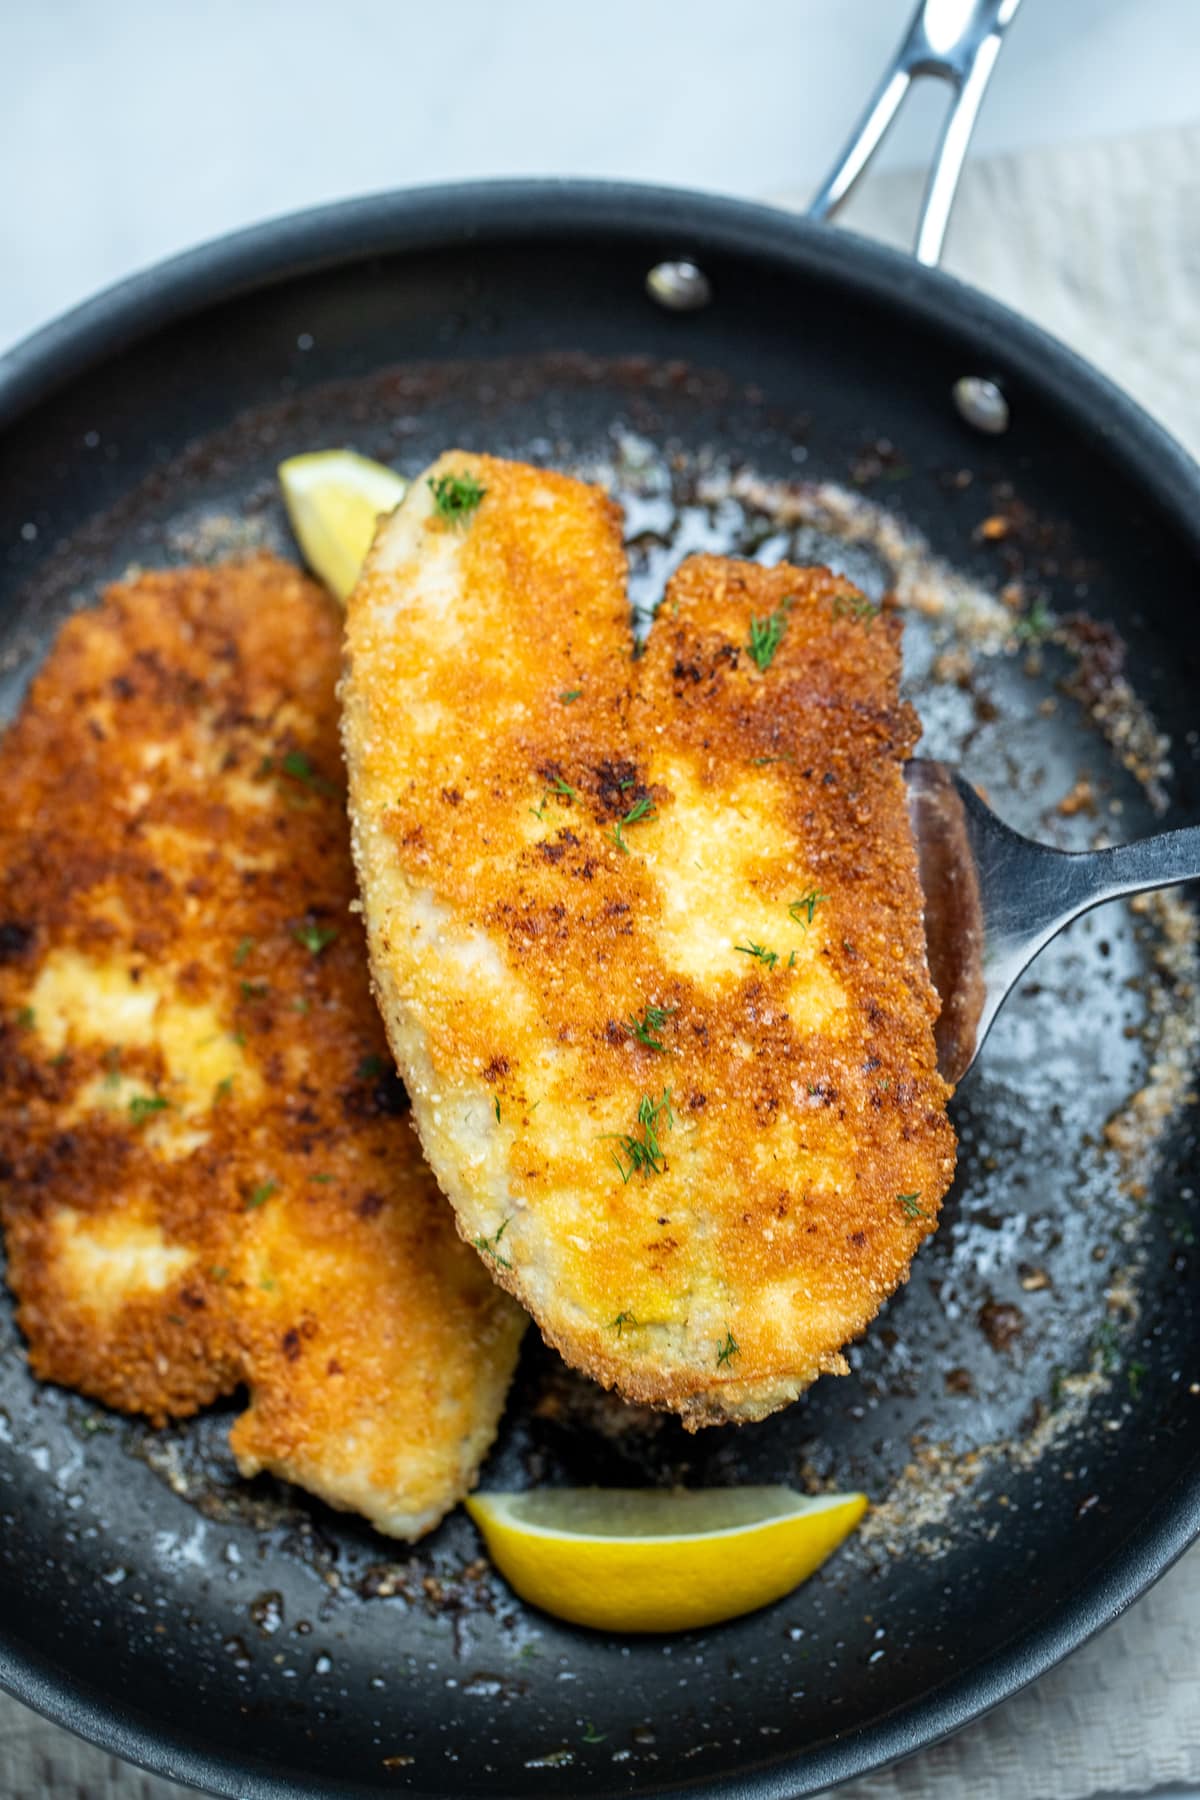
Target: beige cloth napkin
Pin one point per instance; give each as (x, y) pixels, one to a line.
(1101, 244)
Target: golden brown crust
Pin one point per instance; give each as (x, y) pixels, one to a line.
(209, 1174)
(497, 734)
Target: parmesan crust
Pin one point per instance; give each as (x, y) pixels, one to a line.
(207, 1171)
(553, 836)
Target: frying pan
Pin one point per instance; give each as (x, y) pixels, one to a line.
(246, 1640)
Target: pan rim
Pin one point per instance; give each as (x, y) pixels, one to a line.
(678, 220)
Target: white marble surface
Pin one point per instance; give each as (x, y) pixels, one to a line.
(133, 128)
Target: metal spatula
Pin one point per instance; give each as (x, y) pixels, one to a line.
(994, 899)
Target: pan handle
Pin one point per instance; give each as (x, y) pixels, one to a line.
(956, 41)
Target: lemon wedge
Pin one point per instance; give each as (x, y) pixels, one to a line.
(334, 499)
(645, 1559)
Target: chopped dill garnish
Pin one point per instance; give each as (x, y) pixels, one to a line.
(802, 910)
(563, 787)
(856, 606)
(371, 1068)
(25, 1018)
(762, 762)
(911, 1205)
(223, 1088)
(242, 952)
(622, 1319)
(729, 1349)
(488, 1246)
(643, 1153)
(299, 1004)
(262, 1193)
(314, 937)
(323, 1179)
(218, 1274)
(651, 1021)
(769, 957)
(640, 810)
(1107, 1346)
(300, 768)
(592, 1736)
(766, 635)
(791, 961)
(1037, 624)
(539, 811)
(143, 1106)
(1135, 1374)
(267, 1285)
(254, 990)
(496, 1104)
(570, 695)
(456, 497)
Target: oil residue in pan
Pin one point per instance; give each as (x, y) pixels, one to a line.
(1022, 1316)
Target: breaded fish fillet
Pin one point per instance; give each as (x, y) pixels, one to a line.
(208, 1172)
(647, 934)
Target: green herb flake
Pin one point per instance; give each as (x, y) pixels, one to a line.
(728, 1350)
(759, 951)
(1135, 1374)
(1107, 1347)
(296, 764)
(219, 1274)
(621, 1321)
(496, 1104)
(563, 788)
(1037, 624)
(254, 990)
(314, 937)
(456, 497)
(323, 1179)
(487, 1246)
(371, 1068)
(855, 606)
(143, 1106)
(911, 1206)
(801, 911)
(223, 1088)
(766, 635)
(242, 952)
(650, 1023)
(262, 1193)
(641, 810)
(643, 1154)
(592, 1736)
(25, 1019)
(299, 1004)
(569, 696)
(267, 1285)
(764, 762)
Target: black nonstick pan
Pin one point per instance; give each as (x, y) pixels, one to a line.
(1025, 1411)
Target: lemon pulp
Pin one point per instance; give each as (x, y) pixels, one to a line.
(334, 499)
(634, 1559)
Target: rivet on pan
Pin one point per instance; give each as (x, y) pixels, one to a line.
(981, 404)
(679, 286)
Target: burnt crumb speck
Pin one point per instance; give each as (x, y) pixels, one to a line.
(370, 1206)
(618, 787)
(1001, 1323)
(291, 1344)
(497, 1068)
(15, 939)
(385, 1097)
